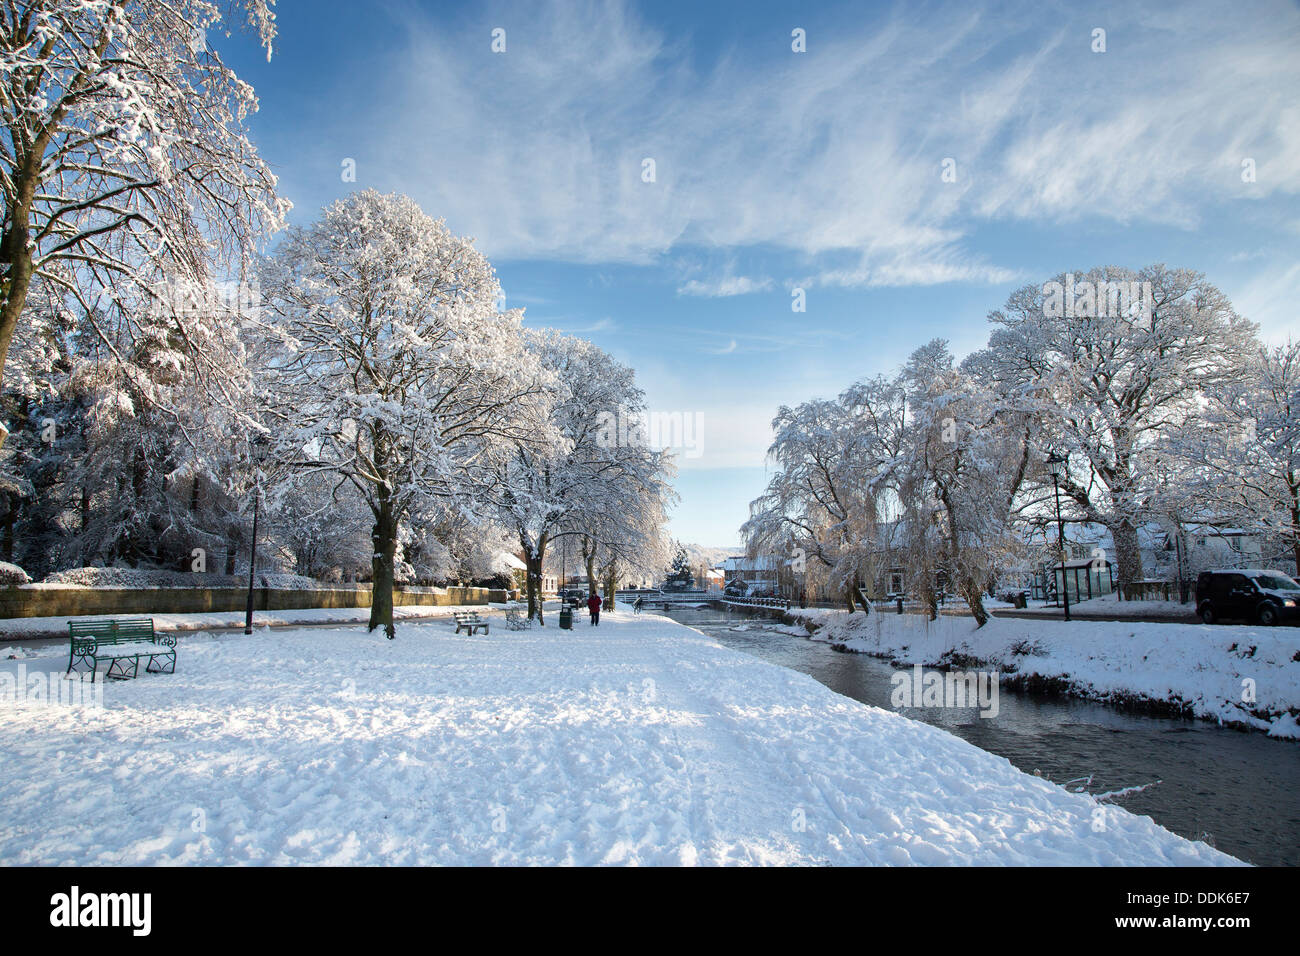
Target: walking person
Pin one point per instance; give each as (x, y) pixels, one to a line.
(636, 605)
(593, 605)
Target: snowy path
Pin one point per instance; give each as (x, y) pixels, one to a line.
(640, 741)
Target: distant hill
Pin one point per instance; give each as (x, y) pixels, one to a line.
(711, 556)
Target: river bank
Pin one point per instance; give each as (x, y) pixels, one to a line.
(1242, 677)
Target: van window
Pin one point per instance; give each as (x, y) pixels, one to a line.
(1276, 582)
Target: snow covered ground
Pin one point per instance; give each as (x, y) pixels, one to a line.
(1108, 605)
(1248, 676)
(640, 741)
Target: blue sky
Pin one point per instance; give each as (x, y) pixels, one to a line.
(821, 170)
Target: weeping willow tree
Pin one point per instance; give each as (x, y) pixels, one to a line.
(836, 467)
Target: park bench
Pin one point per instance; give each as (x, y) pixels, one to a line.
(517, 618)
(119, 641)
(470, 622)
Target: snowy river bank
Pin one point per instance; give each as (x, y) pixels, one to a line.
(1246, 677)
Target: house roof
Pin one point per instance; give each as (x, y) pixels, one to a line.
(1082, 563)
(506, 560)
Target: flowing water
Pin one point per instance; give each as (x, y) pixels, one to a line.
(1239, 791)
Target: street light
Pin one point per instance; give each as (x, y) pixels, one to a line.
(1058, 465)
(257, 456)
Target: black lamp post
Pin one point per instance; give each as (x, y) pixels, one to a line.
(257, 454)
(1058, 465)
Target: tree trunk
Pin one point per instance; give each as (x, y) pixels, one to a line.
(1295, 528)
(1128, 553)
(383, 563)
(534, 562)
(929, 597)
(609, 588)
(974, 596)
(592, 584)
(9, 527)
(17, 255)
(855, 595)
(137, 474)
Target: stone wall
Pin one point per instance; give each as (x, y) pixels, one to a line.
(55, 601)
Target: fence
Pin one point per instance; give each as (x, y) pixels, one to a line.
(68, 601)
(1155, 591)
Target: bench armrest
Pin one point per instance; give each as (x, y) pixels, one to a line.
(167, 640)
(84, 646)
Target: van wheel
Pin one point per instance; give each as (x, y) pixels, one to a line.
(1207, 615)
(1268, 615)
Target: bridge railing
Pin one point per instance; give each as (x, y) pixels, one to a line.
(664, 597)
(780, 603)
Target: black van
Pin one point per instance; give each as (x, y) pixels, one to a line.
(1247, 594)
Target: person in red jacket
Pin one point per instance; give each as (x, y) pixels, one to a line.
(593, 605)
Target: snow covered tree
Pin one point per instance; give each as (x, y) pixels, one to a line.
(322, 525)
(836, 464)
(132, 463)
(634, 544)
(1118, 363)
(126, 159)
(596, 480)
(1246, 460)
(390, 366)
(679, 574)
(629, 537)
(967, 455)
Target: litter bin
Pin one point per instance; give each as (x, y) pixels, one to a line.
(1020, 601)
(566, 618)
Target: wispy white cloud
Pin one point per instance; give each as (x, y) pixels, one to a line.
(728, 285)
(810, 339)
(539, 151)
(903, 271)
(600, 325)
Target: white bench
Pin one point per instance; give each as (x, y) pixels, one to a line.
(470, 622)
(517, 618)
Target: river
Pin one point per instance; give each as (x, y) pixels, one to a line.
(1238, 791)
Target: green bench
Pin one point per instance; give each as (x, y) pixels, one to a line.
(120, 641)
(470, 621)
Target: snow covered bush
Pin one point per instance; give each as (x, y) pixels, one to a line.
(11, 575)
(163, 578)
